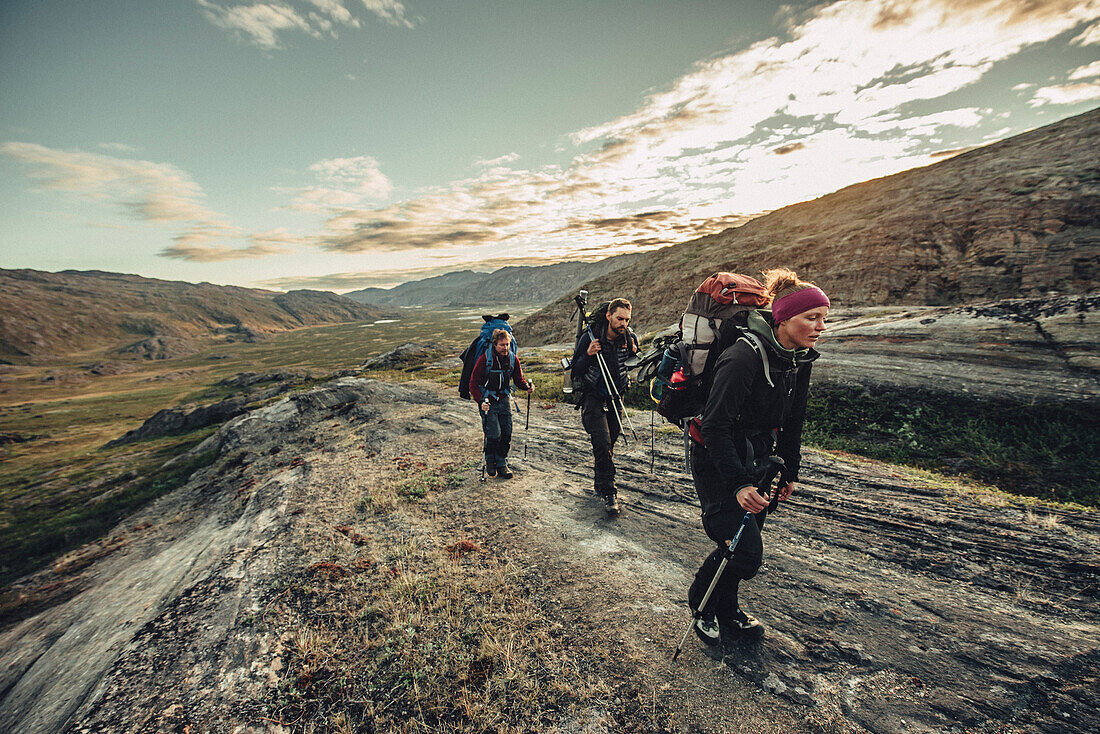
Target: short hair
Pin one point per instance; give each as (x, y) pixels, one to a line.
(617, 304)
(500, 335)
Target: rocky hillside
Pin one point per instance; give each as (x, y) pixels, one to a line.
(1020, 217)
(339, 561)
(514, 285)
(48, 315)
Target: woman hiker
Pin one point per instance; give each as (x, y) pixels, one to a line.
(747, 418)
(491, 387)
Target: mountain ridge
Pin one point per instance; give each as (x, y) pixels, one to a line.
(510, 285)
(48, 315)
(1016, 218)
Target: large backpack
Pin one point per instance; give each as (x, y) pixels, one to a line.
(715, 318)
(483, 345)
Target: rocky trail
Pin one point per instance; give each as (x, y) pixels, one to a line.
(893, 603)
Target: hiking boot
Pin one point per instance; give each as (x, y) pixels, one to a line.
(706, 629)
(611, 504)
(743, 626)
(504, 472)
(490, 470)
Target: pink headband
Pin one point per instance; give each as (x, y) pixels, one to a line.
(798, 302)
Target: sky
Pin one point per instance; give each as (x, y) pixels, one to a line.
(340, 144)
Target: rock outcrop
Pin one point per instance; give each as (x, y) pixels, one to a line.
(1021, 350)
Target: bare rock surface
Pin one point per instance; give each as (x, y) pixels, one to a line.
(1025, 350)
(410, 353)
(893, 603)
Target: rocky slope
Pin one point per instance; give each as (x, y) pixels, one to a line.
(893, 604)
(1018, 218)
(513, 285)
(47, 315)
(1022, 350)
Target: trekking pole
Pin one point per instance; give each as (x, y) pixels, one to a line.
(651, 442)
(615, 397)
(527, 426)
(604, 373)
(726, 555)
(765, 488)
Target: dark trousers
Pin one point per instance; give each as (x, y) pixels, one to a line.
(603, 424)
(496, 423)
(721, 519)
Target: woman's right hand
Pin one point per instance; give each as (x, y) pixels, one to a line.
(751, 499)
(484, 407)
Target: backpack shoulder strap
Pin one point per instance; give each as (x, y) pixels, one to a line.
(754, 341)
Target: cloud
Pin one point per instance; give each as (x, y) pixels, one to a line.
(390, 11)
(1085, 72)
(148, 192)
(499, 161)
(1066, 94)
(201, 243)
(1089, 36)
(157, 192)
(263, 23)
(788, 148)
(347, 183)
(826, 104)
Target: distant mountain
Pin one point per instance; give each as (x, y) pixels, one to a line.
(1020, 217)
(48, 315)
(434, 291)
(536, 283)
(513, 285)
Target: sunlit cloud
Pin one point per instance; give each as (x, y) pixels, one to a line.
(263, 24)
(1066, 94)
(500, 161)
(345, 183)
(828, 104)
(1085, 72)
(1089, 36)
(157, 192)
(201, 243)
(146, 191)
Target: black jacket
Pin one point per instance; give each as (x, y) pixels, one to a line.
(585, 370)
(741, 405)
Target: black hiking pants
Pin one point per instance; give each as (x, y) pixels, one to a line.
(496, 423)
(722, 516)
(603, 425)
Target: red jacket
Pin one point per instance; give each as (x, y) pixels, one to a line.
(479, 376)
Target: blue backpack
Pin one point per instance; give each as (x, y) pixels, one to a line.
(483, 345)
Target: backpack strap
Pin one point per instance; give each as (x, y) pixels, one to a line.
(754, 341)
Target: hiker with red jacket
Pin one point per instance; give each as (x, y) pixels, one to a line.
(754, 409)
(491, 387)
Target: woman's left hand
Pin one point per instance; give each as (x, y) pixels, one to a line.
(786, 490)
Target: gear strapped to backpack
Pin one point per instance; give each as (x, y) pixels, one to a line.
(715, 318)
(483, 345)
